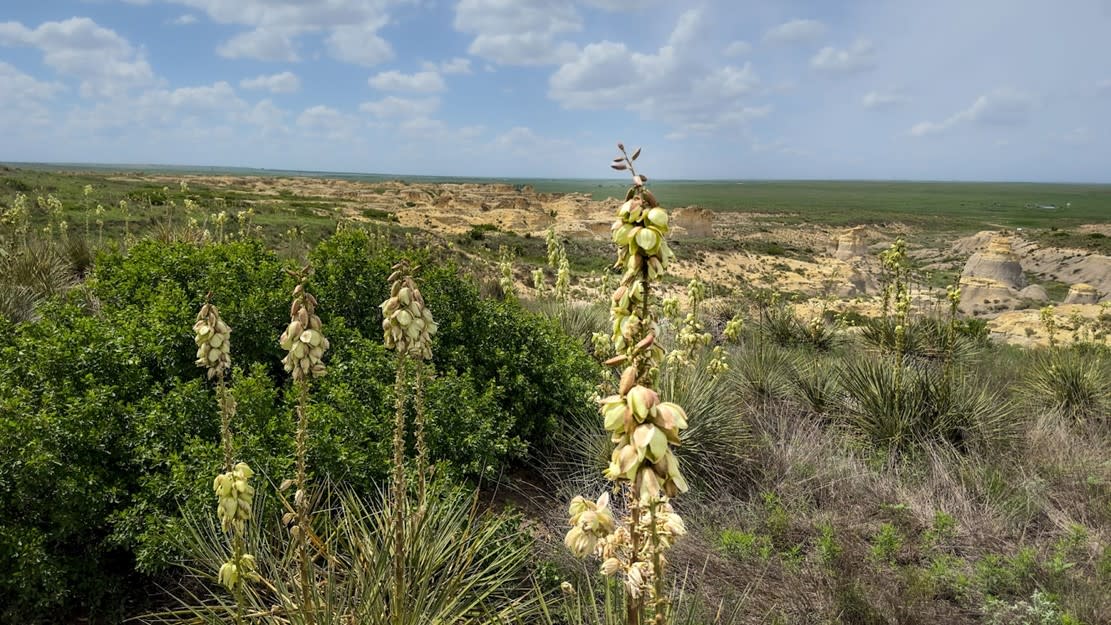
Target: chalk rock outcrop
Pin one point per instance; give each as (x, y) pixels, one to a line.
(1034, 292)
(998, 263)
(992, 278)
(1082, 294)
(693, 221)
(851, 244)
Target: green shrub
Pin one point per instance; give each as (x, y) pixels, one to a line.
(886, 543)
(539, 373)
(746, 545)
(828, 547)
(108, 431)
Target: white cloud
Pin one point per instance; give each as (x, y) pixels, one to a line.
(673, 85)
(184, 20)
(395, 107)
(518, 32)
(268, 117)
(393, 80)
(261, 44)
(105, 62)
(359, 44)
(274, 27)
(795, 31)
(16, 86)
(328, 122)
(285, 82)
(166, 105)
(738, 48)
(23, 99)
(457, 65)
(1002, 107)
(858, 57)
(883, 100)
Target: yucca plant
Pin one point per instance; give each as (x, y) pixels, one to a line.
(813, 383)
(643, 428)
(31, 273)
(589, 601)
(1072, 384)
(897, 411)
(462, 566)
(715, 446)
(759, 372)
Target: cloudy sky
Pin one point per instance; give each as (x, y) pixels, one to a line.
(876, 89)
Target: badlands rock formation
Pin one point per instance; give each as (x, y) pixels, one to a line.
(1035, 293)
(851, 244)
(693, 221)
(1082, 294)
(991, 279)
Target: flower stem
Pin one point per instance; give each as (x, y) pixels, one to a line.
(302, 501)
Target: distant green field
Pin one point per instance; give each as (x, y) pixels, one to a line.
(932, 206)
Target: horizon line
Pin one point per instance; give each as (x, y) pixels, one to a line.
(310, 173)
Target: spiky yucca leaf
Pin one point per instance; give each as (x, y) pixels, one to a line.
(1070, 383)
(462, 566)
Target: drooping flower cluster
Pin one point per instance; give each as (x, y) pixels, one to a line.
(303, 338)
(642, 426)
(213, 339)
(407, 324)
(733, 327)
(591, 521)
(233, 494)
(237, 570)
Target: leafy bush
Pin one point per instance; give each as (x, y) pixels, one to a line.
(539, 373)
(108, 431)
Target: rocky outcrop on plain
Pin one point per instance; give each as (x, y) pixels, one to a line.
(997, 263)
(693, 221)
(1034, 293)
(851, 244)
(1082, 293)
(992, 278)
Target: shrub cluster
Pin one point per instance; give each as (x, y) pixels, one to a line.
(108, 431)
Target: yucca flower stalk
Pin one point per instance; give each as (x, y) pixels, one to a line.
(88, 192)
(505, 269)
(232, 488)
(953, 294)
(1048, 317)
(407, 327)
(642, 426)
(306, 345)
(894, 260)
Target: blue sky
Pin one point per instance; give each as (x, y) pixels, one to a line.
(875, 89)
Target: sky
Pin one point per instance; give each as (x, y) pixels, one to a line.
(719, 89)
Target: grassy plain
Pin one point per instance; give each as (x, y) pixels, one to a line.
(930, 206)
